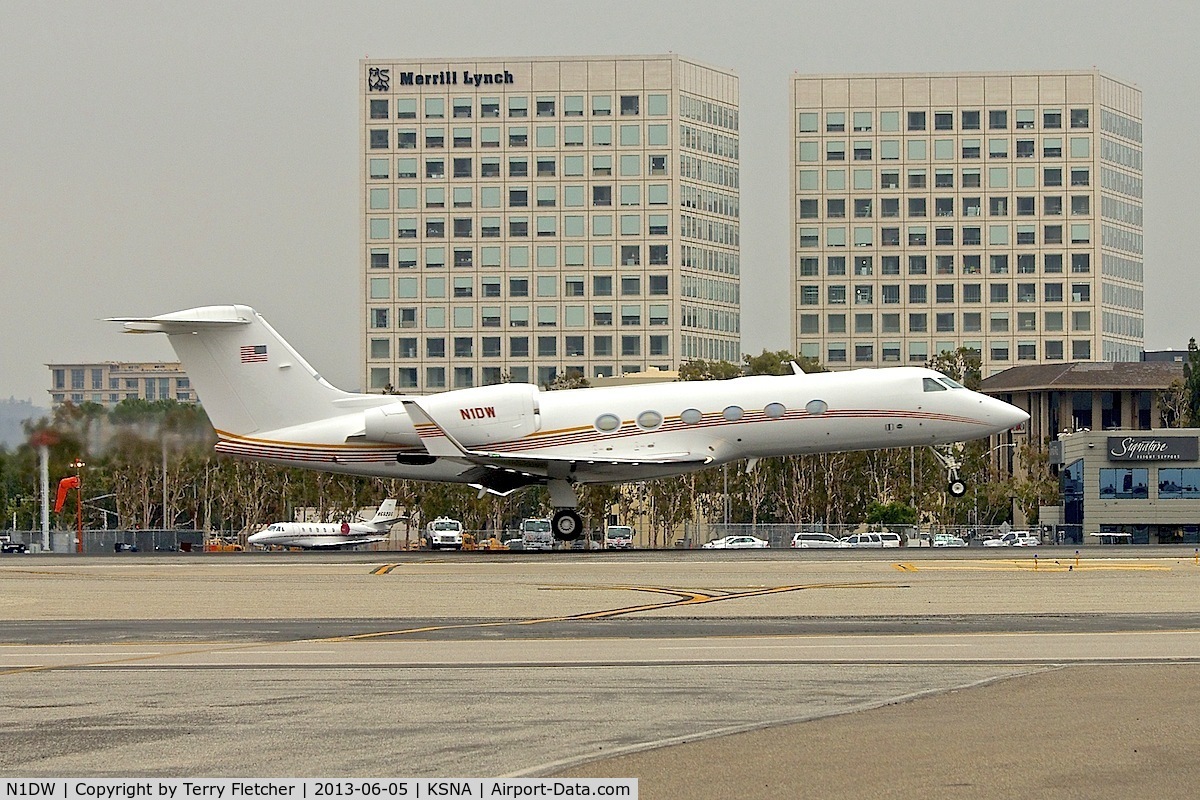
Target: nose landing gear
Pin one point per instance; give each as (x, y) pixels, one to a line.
(947, 454)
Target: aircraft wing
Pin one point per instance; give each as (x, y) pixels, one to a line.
(502, 473)
(331, 542)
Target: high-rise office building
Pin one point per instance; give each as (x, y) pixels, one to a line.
(525, 219)
(995, 211)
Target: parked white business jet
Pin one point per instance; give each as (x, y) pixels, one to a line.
(323, 535)
(266, 403)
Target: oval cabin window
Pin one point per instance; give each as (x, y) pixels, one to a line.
(649, 420)
(607, 423)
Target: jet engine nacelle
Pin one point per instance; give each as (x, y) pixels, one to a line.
(474, 417)
(486, 414)
(390, 424)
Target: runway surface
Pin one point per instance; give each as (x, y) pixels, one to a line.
(465, 664)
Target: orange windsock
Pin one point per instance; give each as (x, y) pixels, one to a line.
(65, 485)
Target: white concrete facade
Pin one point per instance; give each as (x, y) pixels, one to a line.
(996, 211)
(528, 219)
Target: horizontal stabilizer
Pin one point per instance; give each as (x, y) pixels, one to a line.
(193, 319)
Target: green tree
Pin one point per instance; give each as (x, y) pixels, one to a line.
(891, 514)
(700, 370)
(571, 379)
(778, 363)
(1191, 384)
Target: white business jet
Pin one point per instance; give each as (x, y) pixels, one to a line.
(328, 535)
(267, 404)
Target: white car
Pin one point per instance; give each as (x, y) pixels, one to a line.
(735, 543)
(948, 540)
(822, 540)
(864, 540)
(1014, 539)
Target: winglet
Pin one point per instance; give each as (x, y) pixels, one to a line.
(796, 370)
(437, 441)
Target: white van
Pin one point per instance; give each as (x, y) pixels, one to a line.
(889, 539)
(864, 540)
(823, 540)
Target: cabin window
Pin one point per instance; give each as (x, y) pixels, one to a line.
(608, 423)
(649, 420)
(775, 410)
(691, 416)
(816, 407)
(732, 413)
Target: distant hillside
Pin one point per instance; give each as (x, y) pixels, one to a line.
(12, 413)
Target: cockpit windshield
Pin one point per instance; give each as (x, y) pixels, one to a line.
(940, 384)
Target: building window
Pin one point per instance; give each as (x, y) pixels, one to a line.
(1175, 484)
(1125, 484)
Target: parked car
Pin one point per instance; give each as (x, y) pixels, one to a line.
(889, 539)
(735, 543)
(863, 540)
(7, 546)
(1013, 539)
(948, 540)
(818, 540)
(125, 547)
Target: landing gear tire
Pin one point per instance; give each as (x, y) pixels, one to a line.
(567, 525)
(957, 488)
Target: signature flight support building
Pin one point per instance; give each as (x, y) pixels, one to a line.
(1130, 486)
(1123, 476)
(525, 219)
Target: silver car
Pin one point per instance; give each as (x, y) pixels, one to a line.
(735, 543)
(821, 540)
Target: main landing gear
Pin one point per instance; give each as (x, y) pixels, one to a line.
(566, 523)
(948, 455)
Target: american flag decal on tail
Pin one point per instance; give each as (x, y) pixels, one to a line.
(253, 352)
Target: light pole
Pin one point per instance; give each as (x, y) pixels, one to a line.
(91, 504)
(78, 465)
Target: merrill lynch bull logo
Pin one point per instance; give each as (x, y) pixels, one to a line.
(480, 412)
(1172, 448)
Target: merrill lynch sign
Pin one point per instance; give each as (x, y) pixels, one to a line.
(1152, 448)
(380, 79)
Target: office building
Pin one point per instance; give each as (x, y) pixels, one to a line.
(995, 211)
(109, 382)
(526, 219)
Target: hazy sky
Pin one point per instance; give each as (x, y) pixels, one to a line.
(159, 155)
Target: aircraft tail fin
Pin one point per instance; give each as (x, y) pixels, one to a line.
(386, 514)
(247, 377)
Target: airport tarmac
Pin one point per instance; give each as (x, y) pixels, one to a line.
(911, 673)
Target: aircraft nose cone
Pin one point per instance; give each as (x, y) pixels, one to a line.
(1005, 415)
